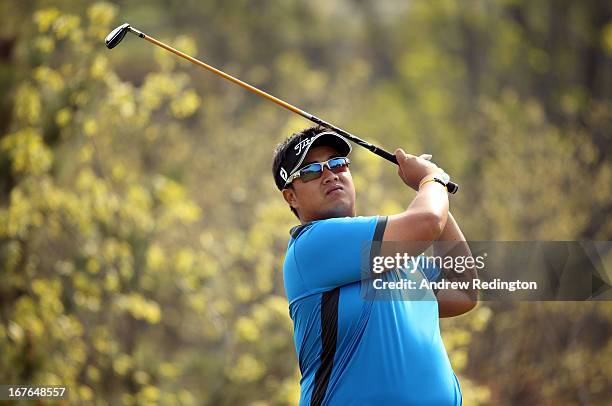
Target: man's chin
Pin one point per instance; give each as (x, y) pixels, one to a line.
(339, 210)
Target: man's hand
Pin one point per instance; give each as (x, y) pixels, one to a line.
(413, 169)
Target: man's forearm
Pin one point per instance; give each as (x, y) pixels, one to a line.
(452, 243)
(452, 232)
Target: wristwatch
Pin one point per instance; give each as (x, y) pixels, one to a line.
(442, 178)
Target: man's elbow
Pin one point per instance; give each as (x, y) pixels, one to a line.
(415, 225)
(470, 304)
(471, 300)
(454, 306)
(433, 224)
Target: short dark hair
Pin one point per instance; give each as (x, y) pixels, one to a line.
(280, 152)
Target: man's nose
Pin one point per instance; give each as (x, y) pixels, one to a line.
(328, 175)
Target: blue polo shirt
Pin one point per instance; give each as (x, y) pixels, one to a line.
(356, 351)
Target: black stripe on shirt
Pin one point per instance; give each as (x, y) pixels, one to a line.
(377, 240)
(329, 333)
(380, 228)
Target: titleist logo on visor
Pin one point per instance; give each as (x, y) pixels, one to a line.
(301, 145)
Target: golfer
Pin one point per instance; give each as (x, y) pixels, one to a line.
(354, 351)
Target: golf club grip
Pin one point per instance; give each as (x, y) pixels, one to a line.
(452, 187)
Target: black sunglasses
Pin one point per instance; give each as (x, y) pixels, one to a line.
(315, 170)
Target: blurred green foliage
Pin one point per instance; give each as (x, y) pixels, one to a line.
(141, 235)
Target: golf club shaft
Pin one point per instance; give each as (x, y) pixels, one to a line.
(452, 187)
(282, 103)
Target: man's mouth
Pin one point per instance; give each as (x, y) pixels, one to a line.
(333, 189)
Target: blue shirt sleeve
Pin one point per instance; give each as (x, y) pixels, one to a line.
(328, 254)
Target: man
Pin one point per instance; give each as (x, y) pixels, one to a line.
(351, 350)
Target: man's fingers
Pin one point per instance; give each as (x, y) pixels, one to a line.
(400, 155)
(403, 156)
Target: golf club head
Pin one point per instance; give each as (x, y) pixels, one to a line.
(116, 35)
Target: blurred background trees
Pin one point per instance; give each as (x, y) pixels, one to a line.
(141, 235)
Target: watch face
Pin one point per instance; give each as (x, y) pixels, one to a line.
(444, 177)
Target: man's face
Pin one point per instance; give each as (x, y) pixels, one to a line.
(331, 195)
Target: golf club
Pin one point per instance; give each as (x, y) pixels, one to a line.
(116, 35)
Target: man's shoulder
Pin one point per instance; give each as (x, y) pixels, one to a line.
(299, 230)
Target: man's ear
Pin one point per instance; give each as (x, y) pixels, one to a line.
(290, 197)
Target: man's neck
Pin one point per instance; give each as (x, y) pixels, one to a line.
(332, 216)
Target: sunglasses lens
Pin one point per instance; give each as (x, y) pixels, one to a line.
(338, 164)
(311, 172)
(315, 170)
